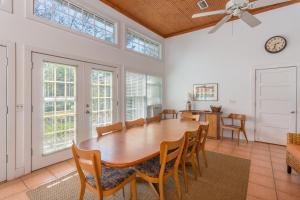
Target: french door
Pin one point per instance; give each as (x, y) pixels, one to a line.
(3, 113)
(276, 104)
(70, 99)
(101, 96)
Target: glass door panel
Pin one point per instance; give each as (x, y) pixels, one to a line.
(59, 103)
(101, 93)
(102, 99)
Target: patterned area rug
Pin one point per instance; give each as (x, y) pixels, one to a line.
(226, 178)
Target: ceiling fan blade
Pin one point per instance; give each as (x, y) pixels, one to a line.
(220, 23)
(263, 3)
(249, 19)
(204, 14)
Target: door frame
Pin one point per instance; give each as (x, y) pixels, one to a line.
(11, 103)
(253, 84)
(28, 52)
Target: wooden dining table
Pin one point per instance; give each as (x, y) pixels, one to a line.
(130, 147)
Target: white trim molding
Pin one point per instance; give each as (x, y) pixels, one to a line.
(11, 103)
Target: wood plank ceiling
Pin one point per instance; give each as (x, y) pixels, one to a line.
(173, 17)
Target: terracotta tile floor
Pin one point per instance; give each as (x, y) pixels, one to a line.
(268, 178)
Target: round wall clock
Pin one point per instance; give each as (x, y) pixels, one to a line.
(275, 44)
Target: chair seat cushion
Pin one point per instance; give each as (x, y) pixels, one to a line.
(111, 177)
(152, 167)
(294, 150)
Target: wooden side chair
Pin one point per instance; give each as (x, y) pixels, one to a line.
(235, 128)
(188, 155)
(169, 112)
(158, 169)
(154, 119)
(135, 123)
(98, 179)
(189, 116)
(201, 141)
(109, 129)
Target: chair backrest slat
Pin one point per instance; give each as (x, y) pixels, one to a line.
(203, 133)
(190, 145)
(237, 116)
(153, 119)
(173, 154)
(109, 129)
(166, 112)
(85, 166)
(135, 123)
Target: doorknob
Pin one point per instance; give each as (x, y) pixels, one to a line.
(87, 112)
(293, 112)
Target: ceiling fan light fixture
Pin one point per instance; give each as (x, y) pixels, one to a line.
(202, 4)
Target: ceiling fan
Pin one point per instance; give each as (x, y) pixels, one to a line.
(239, 8)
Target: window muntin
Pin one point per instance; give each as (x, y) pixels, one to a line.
(59, 103)
(140, 43)
(102, 99)
(143, 95)
(75, 18)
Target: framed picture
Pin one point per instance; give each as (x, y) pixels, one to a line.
(205, 92)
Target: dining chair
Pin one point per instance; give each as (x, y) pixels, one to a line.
(201, 141)
(109, 129)
(189, 116)
(188, 155)
(135, 123)
(169, 112)
(99, 179)
(233, 127)
(158, 169)
(154, 119)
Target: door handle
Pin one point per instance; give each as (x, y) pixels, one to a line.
(87, 112)
(293, 112)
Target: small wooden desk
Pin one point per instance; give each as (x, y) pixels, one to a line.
(214, 120)
(133, 146)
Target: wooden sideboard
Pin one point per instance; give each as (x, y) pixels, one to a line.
(213, 118)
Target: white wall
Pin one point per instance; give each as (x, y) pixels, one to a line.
(28, 33)
(228, 58)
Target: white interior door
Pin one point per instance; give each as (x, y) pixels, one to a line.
(3, 113)
(70, 99)
(276, 104)
(57, 114)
